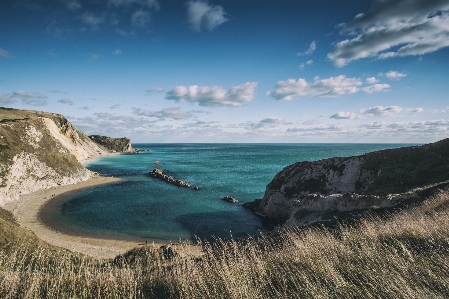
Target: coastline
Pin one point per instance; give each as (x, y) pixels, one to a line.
(27, 209)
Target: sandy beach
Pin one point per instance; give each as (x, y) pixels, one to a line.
(26, 210)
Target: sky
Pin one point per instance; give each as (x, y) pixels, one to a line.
(265, 71)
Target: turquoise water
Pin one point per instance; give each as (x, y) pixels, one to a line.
(144, 208)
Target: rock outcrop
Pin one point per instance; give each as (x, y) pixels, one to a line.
(308, 192)
(39, 150)
(116, 145)
(158, 173)
(230, 199)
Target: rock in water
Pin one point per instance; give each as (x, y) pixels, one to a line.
(230, 199)
(157, 173)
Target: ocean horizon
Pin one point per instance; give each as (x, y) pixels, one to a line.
(143, 208)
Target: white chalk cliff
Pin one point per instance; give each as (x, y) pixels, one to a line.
(39, 150)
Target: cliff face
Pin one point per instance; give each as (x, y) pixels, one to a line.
(307, 192)
(117, 145)
(39, 150)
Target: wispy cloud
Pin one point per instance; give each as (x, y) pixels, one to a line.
(266, 123)
(331, 87)
(394, 29)
(140, 18)
(201, 14)
(155, 90)
(344, 115)
(214, 96)
(31, 98)
(66, 101)
(92, 20)
(309, 51)
(6, 98)
(380, 111)
(117, 52)
(115, 106)
(5, 54)
(393, 75)
(376, 88)
(170, 113)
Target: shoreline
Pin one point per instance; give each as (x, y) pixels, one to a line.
(27, 210)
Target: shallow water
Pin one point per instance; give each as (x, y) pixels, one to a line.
(144, 208)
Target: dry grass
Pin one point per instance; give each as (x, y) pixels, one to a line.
(404, 256)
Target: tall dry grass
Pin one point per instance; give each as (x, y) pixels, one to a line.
(405, 255)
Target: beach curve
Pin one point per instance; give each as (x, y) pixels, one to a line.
(27, 208)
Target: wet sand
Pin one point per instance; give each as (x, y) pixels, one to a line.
(27, 209)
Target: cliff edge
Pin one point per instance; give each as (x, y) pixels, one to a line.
(308, 192)
(116, 145)
(39, 150)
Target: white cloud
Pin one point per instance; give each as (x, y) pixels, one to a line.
(309, 62)
(309, 51)
(301, 66)
(66, 101)
(171, 113)
(376, 88)
(6, 99)
(214, 96)
(117, 52)
(331, 87)
(115, 106)
(380, 111)
(140, 18)
(201, 14)
(5, 54)
(371, 80)
(344, 115)
(395, 28)
(393, 75)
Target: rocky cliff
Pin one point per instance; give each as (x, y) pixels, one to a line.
(39, 150)
(307, 192)
(116, 145)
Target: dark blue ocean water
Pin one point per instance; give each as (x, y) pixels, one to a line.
(144, 208)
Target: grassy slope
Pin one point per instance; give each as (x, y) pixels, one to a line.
(403, 256)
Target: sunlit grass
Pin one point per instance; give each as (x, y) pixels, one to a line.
(405, 255)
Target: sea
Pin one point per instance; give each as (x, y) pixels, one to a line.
(143, 208)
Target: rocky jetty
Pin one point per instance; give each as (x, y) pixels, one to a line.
(230, 199)
(308, 192)
(115, 145)
(158, 173)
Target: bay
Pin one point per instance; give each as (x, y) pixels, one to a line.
(145, 208)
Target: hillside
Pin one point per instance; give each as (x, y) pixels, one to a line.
(39, 150)
(324, 190)
(116, 145)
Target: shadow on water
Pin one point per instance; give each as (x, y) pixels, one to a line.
(209, 226)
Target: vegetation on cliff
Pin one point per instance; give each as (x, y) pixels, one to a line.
(117, 145)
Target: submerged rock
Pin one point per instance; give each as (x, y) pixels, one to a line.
(157, 173)
(230, 199)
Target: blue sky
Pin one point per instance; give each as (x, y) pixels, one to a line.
(232, 71)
